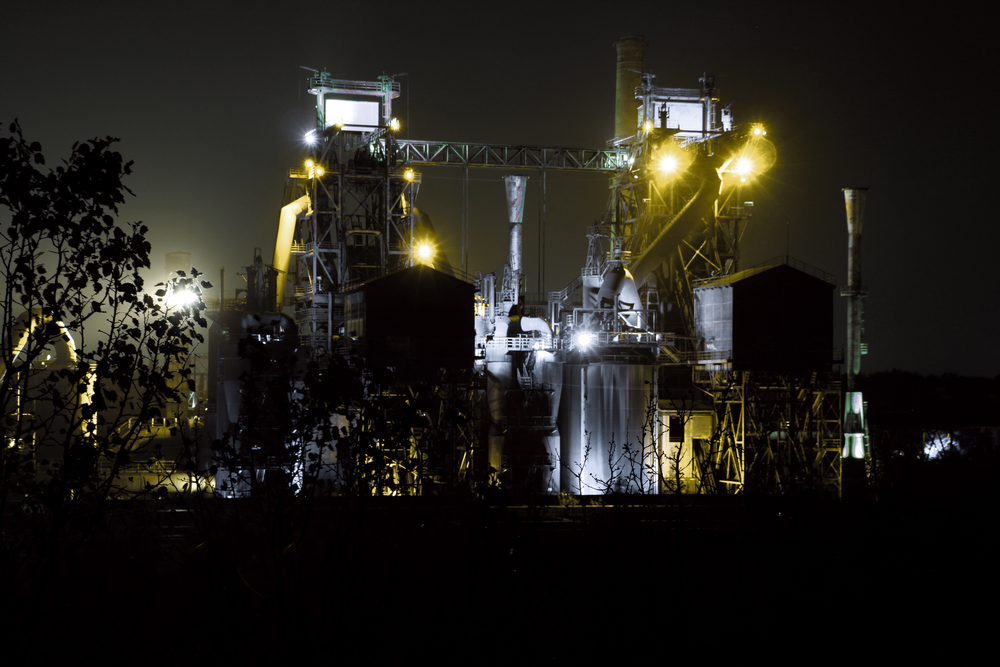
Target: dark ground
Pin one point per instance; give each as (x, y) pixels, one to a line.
(397, 580)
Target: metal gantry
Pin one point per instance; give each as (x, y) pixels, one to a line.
(435, 153)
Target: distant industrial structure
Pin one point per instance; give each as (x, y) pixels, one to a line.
(664, 367)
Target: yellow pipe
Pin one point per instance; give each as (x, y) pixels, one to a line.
(283, 244)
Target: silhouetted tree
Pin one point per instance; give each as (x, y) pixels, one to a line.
(87, 357)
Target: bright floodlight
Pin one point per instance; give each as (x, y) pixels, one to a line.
(648, 126)
(181, 298)
(424, 252)
(743, 166)
(313, 169)
(408, 174)
(394, 124)
(585, 339)
(668, 164)
(310, 137)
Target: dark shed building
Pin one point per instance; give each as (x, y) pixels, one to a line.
(417, 318)
(773, 318)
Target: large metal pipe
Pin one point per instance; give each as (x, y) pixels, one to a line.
(854, 199)
(283, 244)
(631, 63)
(515, 207)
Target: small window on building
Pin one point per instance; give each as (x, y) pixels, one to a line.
(676, 429)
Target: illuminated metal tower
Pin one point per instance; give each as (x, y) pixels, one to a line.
(678, 203)
(354, 219)
(679, 208)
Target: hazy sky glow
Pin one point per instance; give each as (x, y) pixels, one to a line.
(211, 104)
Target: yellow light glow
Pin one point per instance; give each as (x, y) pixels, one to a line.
(424, 252)
(408, 174)
(648, 126)
(668, 164)
(313, 169)
(394, 124)
(744, 166)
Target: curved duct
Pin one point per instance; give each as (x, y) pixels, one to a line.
(701, 205)
(536, 324)
(65, 353)
(619, 289)
(65, 349)
(283, 244)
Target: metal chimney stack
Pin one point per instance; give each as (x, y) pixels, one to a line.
(854, 198)
(631, 63)
(515, 207)
(510, 286)
(855, 430)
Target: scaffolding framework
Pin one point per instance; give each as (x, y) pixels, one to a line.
(776, 434)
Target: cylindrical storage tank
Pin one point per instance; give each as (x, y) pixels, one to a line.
(523, 441)
(499, 376)
(548, 373)
(607, 442)
(631, 63)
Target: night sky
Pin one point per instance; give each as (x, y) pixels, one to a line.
(210, 102)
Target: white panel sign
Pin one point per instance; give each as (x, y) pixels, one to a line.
(355, 116)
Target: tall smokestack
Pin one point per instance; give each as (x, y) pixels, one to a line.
(855, 429)
(854, 198)
(631, 64)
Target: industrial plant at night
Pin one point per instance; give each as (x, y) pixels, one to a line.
(665, 366)
(476, 394)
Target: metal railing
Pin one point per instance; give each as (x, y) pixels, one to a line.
(516, 343)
